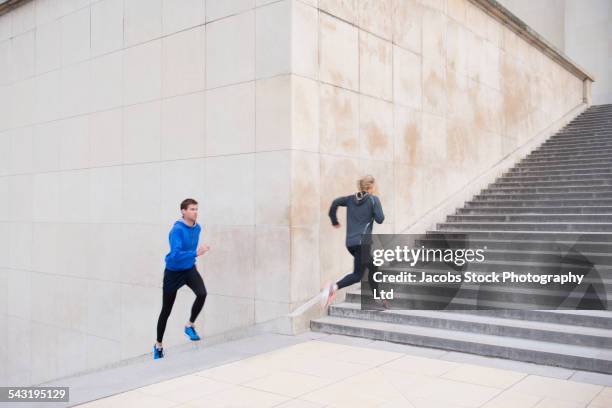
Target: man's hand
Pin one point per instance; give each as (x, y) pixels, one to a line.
(202, 249)
(337, 226)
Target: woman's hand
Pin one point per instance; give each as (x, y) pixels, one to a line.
(337, 226)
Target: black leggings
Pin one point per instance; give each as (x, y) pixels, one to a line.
(362, 259)
(195, 282)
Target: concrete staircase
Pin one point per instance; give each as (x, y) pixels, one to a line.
(559, 196)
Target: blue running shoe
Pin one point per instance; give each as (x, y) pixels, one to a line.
(193, 335)
(157, 353)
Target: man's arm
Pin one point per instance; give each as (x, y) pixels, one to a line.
(333, 209)
(176, 244)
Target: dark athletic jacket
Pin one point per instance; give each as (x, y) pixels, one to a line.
(361, 210)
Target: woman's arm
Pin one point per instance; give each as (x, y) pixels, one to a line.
(338, 202)
(379, 216)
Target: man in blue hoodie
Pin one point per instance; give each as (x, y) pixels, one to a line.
(181, 270)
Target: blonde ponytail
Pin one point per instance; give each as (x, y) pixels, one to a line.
(364, 183)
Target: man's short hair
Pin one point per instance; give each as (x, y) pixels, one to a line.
(187, 202)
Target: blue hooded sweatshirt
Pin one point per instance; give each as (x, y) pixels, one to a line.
(362, 209)
(183, 246)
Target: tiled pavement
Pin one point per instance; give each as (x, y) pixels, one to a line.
(317, 370)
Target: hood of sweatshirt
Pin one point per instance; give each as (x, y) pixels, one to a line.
(360, 197)
(181, 223)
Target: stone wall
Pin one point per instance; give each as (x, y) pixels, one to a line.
(111, 113)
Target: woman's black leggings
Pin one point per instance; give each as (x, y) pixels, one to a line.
(196, 284)
(362, 260)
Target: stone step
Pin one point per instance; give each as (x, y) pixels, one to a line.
(576, 144)
(566, 160)
(517, 245)
(584, 141)
(587, 318)
(583, 122)
(594, 120)
(602, 107)
(576, 148)
(577, 178)
(534, 254)
(536, 210)
(535, 196)
(593, 117)
(541, 255)
(538, 203)
(551, 184)
(572, 152)
(545, 154)
(582, 135)
(460, 299)
(589, 112)
(599, 117)
(535, 262)
(583, 153)
(583, 131)
(600, 123)
(552, 172)
(603, 115)
(564, 236)
(594, 110)
(586, 129)
(573, 144)
(528, 226)
(569, 159)
(531, 295)
(480, 323)
(579, 128)
(460, 296)
(530, 218)
(596, 188)
(562, 166)
(535, 351)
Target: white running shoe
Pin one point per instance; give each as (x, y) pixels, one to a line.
(325, 293)
(332, 294)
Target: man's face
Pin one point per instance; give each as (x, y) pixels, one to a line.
(191, 212)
